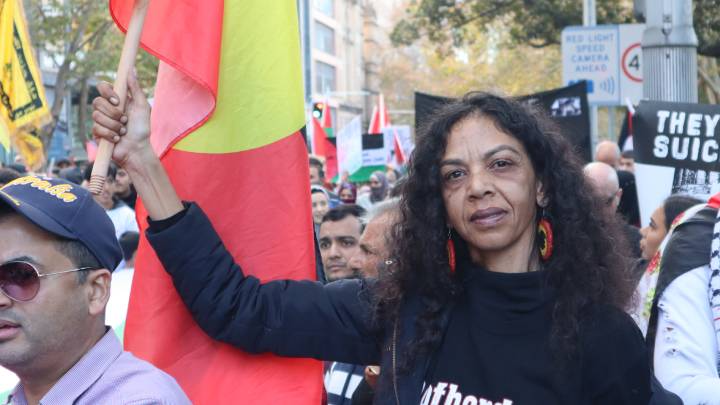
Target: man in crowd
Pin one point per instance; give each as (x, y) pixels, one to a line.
(374, 257)
(627, 161)
(338, 238)
(372, 251)
(57, 252)
(604, 180)
(122, 216)
(124, 189)
(375, 241)
(609, 153)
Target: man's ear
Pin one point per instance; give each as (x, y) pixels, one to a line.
(97, 287)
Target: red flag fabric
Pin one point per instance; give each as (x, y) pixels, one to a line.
(91, 148)
(399, 153)
(323, 146)
(327, 120)
(249, 173)
(380, 120)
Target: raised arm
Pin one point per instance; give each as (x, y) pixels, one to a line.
(131, 134)
(291, 318)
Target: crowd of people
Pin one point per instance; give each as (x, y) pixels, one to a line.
(494, 269)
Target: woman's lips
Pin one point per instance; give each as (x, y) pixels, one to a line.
(488, 217)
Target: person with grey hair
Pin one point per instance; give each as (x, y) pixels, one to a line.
(375, 239)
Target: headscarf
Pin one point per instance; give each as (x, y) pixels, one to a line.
(353, 190)
(379, 193)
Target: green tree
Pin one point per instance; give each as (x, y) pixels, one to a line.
(83, 44)
(491, 63)
(536, 23)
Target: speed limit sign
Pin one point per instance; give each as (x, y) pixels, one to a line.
(630, 57)
(631, 62)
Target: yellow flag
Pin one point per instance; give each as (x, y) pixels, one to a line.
(30, 148)
(23, 106)
(4, 136)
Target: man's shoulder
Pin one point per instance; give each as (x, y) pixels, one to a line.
(136, 381)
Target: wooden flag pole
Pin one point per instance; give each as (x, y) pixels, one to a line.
(127, 62)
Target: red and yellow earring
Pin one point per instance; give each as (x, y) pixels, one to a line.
(545, 237)
(451, 252)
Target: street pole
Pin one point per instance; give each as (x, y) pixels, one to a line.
(590, 20)
(669, 48)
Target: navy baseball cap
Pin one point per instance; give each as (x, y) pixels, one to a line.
(66, 210)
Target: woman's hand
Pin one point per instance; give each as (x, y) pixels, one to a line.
(129, 132)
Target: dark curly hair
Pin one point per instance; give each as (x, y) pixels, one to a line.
(587, 268)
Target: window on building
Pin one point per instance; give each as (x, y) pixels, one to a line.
(324, 38)
(325, 77)
(326, 7)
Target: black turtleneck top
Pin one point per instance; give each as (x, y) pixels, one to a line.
(496, 350)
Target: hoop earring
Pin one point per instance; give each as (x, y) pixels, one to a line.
(545, 237)
(451, 252)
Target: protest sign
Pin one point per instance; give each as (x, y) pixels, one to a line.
(567, 106)
(677, 146)
(349, 147)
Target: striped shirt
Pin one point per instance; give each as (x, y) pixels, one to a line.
(108, 375)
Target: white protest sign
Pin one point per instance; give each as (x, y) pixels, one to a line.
(407, 143)
(377, 149)
(404, 135)
(349, 147)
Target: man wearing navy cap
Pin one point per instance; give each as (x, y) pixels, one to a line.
(57, 252)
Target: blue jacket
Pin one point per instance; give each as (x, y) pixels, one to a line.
(329, 322)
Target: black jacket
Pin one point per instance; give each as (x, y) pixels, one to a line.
(289, 318)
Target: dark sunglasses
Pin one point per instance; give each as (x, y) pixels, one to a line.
(20, 281)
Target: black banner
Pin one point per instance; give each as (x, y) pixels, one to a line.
(568, 106)
(679, 135)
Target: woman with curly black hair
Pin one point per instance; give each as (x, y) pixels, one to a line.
(506, 287)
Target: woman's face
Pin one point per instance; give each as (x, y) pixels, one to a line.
(375, 182)
(320, 207)
(489, 188)
(346, 195)
(653, 234)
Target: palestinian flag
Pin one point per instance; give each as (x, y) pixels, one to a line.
(379, 120)
(323, 142)
(226, 122)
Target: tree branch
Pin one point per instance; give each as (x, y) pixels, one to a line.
(705, 76)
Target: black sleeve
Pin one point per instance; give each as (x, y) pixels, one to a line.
(288, 318)
(616, 369)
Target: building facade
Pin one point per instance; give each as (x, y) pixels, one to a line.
(338, 62)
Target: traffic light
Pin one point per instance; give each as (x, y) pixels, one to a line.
(318, 109)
